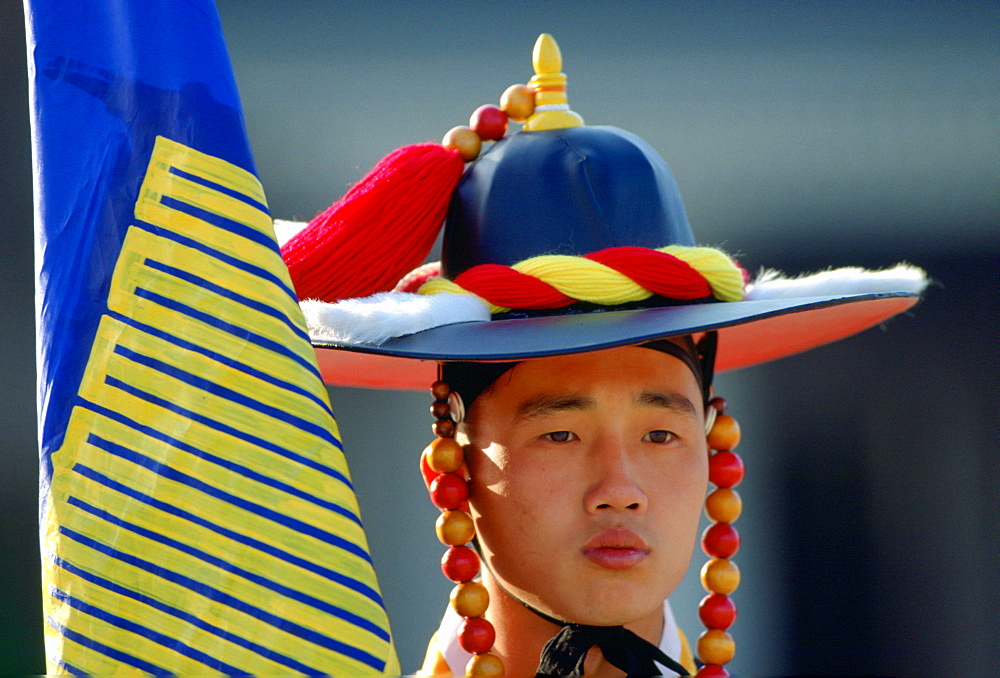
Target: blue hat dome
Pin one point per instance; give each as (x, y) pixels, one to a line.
(564, 191)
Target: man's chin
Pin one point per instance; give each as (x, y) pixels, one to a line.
(612, 608)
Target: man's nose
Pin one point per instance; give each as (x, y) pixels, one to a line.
(616, 484)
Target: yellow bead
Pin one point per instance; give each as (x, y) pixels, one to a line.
(455, 528)
(723, 505)
(720, 575)
(470, 599)
(463, 140)
(715, 646)
(518, 102)
(444, 455)
(484, 664)
(725, 433)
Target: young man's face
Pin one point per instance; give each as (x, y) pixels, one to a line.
(587, 477)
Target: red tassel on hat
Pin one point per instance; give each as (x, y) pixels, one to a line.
(382, 229)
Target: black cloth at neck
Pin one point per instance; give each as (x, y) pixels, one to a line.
(565, 654)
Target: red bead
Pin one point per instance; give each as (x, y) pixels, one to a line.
(712, 671)
(725, 469)
(717, 611)
(449, 491)
(489, 122)
(476, 635)
(720, 540)
(460, 564)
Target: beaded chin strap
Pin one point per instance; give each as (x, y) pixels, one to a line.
(442, 459)
(720, 541)
(449, 491)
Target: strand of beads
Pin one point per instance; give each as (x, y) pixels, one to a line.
(541, 104)
(720, 541)
(449, 491)
(489, 122)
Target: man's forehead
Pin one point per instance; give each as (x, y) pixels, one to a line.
(535, 407)
(645, 378)
(470, 379)
(658, 365)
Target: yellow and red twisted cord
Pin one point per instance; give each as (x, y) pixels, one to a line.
(609, 277)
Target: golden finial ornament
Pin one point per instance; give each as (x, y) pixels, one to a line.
(549, 84)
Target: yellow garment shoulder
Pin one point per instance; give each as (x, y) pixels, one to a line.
(686, 659)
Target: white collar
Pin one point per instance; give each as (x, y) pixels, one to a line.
(457, 658)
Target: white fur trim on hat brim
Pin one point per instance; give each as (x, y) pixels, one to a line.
(374, 319)
(773, 285)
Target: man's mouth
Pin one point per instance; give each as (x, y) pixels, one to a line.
(616, 549)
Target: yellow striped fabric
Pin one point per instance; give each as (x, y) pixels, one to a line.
(201, 518)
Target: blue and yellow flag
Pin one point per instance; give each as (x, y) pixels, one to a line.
(197, 512)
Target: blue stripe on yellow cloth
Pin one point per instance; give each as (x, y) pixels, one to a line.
(225, 292)
(220, 188)
(235, 432)
(196, 484)
(220, 596)
(263, 651)
(219, 221)
(223, 564)
(227, 463)
(264, 274)
(132, 627)
(238, 332)
(214, 388)
(113, 653)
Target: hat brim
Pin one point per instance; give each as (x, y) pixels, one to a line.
(750, 332)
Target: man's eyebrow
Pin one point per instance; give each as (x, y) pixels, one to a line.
(543, 405)
(667, 400)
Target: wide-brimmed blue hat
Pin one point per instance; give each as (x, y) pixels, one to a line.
(566, 238)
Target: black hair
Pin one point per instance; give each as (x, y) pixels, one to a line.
(472, 379)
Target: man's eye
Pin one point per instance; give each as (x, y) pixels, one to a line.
(658, 437)
(560, 436)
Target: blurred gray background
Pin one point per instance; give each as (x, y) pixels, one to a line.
(803, 135)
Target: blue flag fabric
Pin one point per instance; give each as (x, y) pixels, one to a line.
(197, 511)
